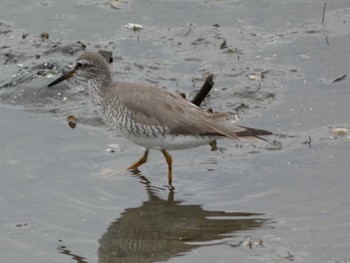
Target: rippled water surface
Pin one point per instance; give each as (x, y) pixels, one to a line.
(65, 195)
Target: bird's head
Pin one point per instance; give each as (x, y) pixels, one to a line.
(91, 66)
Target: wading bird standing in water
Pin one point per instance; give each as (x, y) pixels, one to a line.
(152, 117)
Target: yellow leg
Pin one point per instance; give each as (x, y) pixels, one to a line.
(169, 160)
(139, 162)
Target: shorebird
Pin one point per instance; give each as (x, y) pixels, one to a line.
(150, 116)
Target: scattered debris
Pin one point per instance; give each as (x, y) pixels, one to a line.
(72, 121)
(232, 50)
(339, 78)
(324, 12)
(116, 3)
(258, 75)
(201, 41)
(213, 146)
(19, 225)
(250, 242)
(255, 76)
(113, 148)
(308, 142)
(340, 131)
(44, 35)
(223, 45)
(290, 257)
(274, 145)
(134, 27)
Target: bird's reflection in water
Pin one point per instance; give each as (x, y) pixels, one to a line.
(160, 229)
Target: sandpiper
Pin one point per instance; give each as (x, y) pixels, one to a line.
(150, 116)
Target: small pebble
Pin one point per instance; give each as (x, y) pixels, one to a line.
(72, 121)
(44, 35)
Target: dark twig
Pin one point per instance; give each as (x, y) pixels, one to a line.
(203, 92)
(200, 96)
(324, 12)
(309, 142)
(323, 15)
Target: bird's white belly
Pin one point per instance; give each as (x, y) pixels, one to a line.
(169, 142)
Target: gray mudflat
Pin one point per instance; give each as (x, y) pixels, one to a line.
(65, 197)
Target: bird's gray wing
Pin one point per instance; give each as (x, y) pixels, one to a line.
(157, 106)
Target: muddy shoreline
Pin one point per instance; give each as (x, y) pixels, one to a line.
(65, 195)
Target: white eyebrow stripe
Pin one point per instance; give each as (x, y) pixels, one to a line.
(84, 62)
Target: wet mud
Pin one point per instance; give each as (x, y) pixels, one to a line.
(65, 194)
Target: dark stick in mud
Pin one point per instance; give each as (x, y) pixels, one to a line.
(203, 92)
(324, 12)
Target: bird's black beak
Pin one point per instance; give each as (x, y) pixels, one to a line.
(65, 76)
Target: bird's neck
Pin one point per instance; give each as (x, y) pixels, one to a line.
(96, 89)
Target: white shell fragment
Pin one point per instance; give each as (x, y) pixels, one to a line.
(116, 3)
(340, 131)
(134, 27)
(255, 76)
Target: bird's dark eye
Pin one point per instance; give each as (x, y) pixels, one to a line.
(79, 65)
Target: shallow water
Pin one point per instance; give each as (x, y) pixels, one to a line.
(65, 197)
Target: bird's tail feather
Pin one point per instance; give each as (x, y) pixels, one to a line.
(236, 132)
